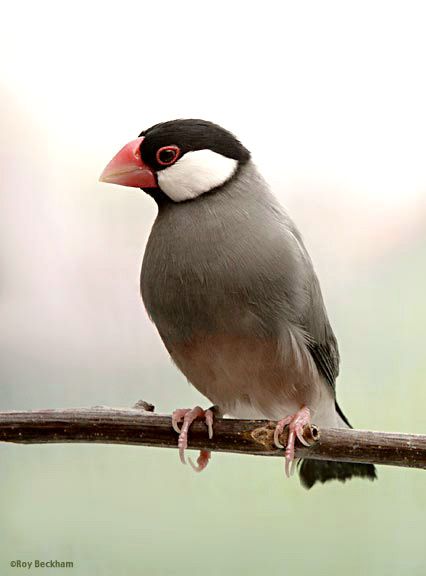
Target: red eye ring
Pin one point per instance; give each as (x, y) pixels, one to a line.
(167, 155)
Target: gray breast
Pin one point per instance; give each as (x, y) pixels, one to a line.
(229, 261)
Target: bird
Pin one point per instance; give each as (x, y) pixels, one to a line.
(228, 282)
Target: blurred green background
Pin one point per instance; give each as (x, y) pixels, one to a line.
(330, 99)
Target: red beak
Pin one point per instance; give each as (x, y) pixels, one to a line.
(128, 169)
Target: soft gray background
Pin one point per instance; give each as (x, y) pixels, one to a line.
(330, 97)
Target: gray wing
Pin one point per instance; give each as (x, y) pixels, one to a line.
(325, 352)
(322, 342)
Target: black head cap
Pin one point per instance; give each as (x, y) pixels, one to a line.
(189, 135)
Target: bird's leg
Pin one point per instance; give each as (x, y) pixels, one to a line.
(187, 416)
(295, 423)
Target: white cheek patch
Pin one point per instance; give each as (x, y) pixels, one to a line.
(195, 173)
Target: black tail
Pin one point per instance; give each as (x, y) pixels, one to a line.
(312, 471)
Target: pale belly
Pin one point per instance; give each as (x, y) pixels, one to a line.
(249, 377)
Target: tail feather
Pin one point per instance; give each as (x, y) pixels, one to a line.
(312, 471)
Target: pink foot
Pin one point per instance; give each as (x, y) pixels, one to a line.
(296, 423)
(202, 461)
(188, 416)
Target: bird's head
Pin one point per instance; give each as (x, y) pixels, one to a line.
(180, 159)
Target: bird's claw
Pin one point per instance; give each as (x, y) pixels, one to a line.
(187, 417)
(178, 416)
(202, 461)
(296, 423)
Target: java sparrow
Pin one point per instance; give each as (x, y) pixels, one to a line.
(228, 282)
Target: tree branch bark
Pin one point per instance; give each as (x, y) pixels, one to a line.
(141, 426)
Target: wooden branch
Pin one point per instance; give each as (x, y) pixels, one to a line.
(140, 426)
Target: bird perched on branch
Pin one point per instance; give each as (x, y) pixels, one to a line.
(230, 286)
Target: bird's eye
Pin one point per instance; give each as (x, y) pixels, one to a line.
(167, 155)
